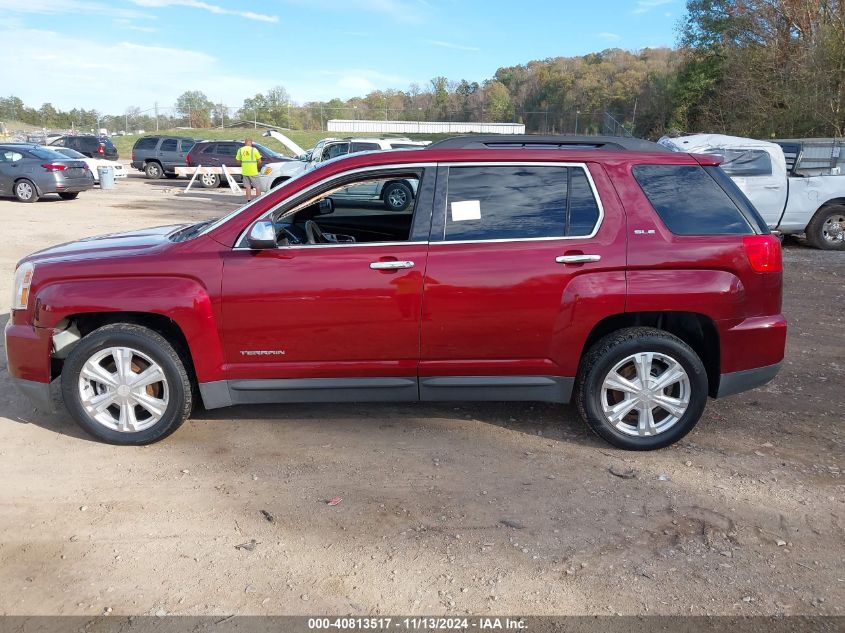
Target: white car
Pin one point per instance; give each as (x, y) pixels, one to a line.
(802, 195)
(396, 196)
(119, 169)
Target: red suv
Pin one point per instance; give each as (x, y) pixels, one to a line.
(632, 281)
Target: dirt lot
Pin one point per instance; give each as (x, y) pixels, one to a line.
(479, 508)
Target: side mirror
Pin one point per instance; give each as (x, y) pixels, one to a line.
(326, 207)
(262, 235)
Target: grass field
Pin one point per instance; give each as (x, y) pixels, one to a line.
(303, 138)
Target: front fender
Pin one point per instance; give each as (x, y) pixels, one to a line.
(182, 300)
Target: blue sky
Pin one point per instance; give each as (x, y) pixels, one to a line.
(110, 55)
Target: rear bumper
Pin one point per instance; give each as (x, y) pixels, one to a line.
(137, 164)
(739, 381)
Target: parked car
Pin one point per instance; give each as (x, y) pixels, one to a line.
(217, 153)
(89, 145)
(804, 194)
(396, 196)
(634, 283)
(93, 163)
(29, 172)
(159, 156)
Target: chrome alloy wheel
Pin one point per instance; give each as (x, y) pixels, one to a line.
(397, 198)
(123, 389)
(645, 394)
(209, 180)
(833, 229)
(24, 190)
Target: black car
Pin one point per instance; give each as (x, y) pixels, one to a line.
(218, 153)
(159, 156)
(89, 145)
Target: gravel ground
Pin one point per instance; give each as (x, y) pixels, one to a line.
(477, 508)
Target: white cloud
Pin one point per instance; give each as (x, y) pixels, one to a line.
(74, 72)
(347, 83)
(403, 11)
(129, 25)
(205, 6)
(51, 7)
(609, 36)
(457, 47)
(644, 6)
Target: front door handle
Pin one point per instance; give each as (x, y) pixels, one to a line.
(391, 265)
(577, 259)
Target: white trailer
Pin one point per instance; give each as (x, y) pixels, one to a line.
(791, 197)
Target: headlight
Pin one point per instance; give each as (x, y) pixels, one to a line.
(23, 280)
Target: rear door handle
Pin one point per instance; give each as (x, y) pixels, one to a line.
(391, 265)
(577, 259)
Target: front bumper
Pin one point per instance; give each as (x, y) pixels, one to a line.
(38, 394)
(28, 361)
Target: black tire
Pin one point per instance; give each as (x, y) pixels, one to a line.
(209, 181)
(145, 341)
(825, 230)
(25, 191)
(171, 175)
(614, 348)
(153, 170)
(69, 195)
(397, 196)
(277, 182)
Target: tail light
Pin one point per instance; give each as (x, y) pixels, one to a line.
(54, 166)
(101, 149)
(188, 160)
(133, 156)
(763, 253)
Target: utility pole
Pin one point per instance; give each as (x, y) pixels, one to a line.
(222, 116)
(577, 112)
(126, 123)
(156, 107)
(321, 116)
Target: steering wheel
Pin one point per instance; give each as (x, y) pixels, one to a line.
(315, 235)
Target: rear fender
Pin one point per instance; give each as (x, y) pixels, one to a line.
(182, 300)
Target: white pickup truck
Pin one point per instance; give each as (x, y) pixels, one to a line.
(798, 186)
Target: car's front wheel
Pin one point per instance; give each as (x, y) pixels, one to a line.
(126, 384)
(641, 388)
(25, 191)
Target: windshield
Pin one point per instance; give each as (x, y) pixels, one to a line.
(266, 151)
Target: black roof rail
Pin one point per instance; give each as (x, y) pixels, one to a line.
(546, 141)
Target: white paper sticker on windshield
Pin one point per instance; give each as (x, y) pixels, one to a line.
(466, 210)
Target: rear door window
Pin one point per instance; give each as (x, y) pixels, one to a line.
(690, 201)
(168, 145)
(519, 202)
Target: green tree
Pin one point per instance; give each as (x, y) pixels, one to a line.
(195, 108)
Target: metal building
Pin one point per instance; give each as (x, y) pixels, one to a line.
(422, 127)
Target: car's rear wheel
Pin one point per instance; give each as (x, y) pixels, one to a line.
(641, 388)
(397, 196)
(69, 195)
(171, 175)
(827, 228)
(126, 384)
(25, 191)
(153, 170)
(209, 181)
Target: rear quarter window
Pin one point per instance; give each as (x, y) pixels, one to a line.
(689, 201)
(146, 143)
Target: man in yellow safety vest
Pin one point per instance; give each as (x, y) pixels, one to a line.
(249, 157)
